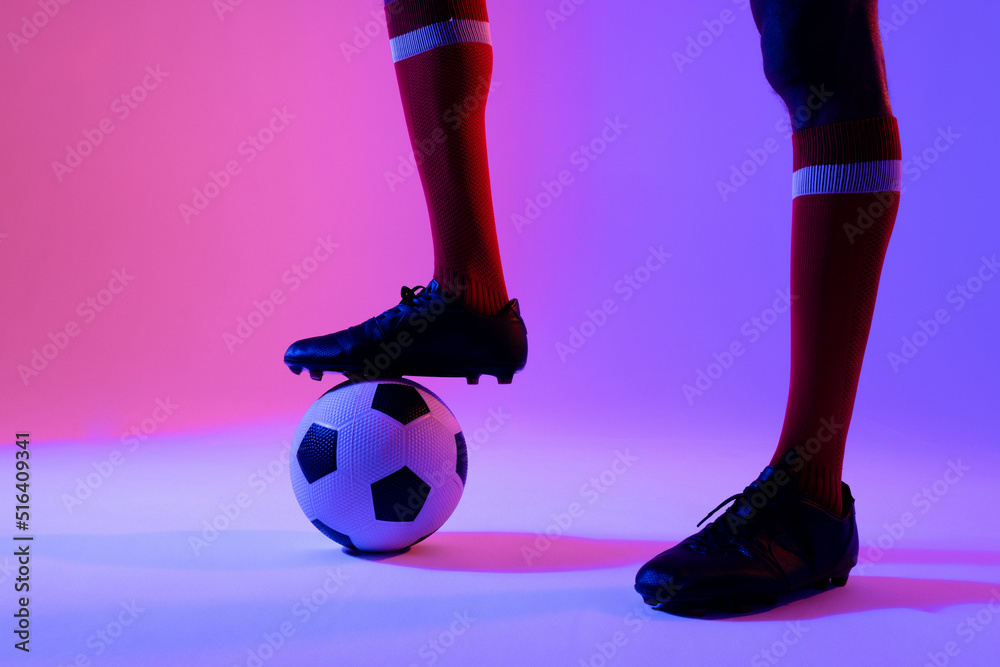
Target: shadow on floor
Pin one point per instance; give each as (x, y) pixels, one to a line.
(514, 553)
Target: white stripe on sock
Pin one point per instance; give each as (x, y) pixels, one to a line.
(823, 179)
(452, 31)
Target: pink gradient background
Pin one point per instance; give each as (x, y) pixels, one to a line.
(324, 176)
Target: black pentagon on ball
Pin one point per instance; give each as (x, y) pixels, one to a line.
(339, 538)
(462, 460)
(399, 496)
(400, 401)
(317, 454)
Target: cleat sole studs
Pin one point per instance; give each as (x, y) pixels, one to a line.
(821, 585)
(505, 379)
(472, 379)
(316, 375)
(296, 369)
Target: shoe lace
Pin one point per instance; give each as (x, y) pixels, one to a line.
(720, 533)
(408, 298)
(735, 496)
(409, 295)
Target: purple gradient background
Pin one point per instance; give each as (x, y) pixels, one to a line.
(325, 176)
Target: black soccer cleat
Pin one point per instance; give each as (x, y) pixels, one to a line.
(769, 542)
(430, 333)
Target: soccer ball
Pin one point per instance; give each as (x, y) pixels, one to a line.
(378, 465)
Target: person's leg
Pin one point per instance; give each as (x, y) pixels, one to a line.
(795, 526)
(461, 324)
(833, 46)
(444, 65)
(845, 195)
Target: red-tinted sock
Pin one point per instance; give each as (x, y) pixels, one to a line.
(845, 196)
(444, 64)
